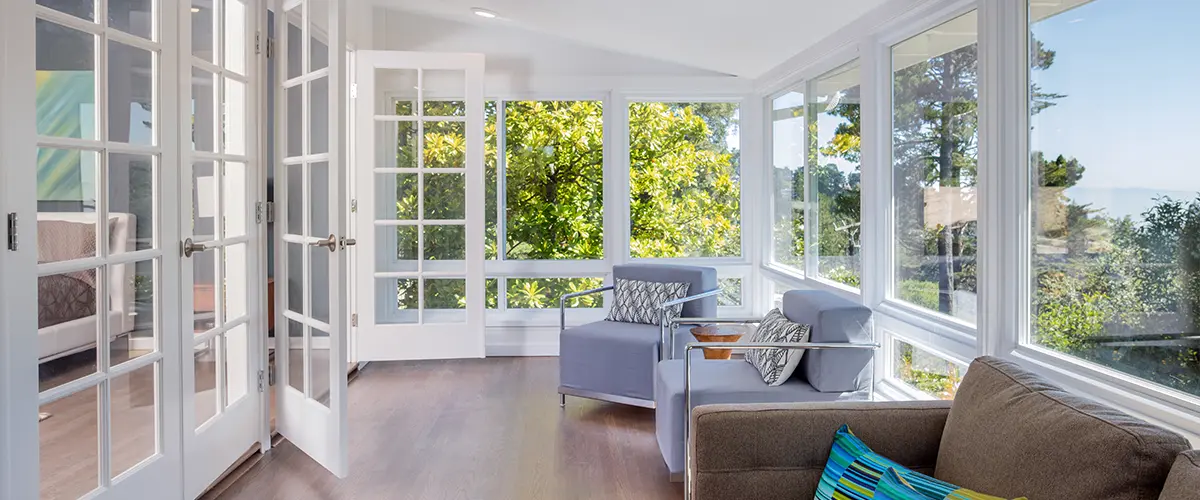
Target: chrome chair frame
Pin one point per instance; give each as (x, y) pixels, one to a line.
(687, 384)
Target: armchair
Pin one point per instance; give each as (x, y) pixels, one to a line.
(614, 361)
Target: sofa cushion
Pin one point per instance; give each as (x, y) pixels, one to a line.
(836, 320)
(1010, 432)
(636, 301)
(1184, 481)
(609, 357)
(700, 279)
(777, 365)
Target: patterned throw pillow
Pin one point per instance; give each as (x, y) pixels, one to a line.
(777, 365)
(854, 472)
(636, 301)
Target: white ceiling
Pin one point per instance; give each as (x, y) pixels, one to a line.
(743, 38)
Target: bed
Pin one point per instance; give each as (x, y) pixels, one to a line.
(67, 301)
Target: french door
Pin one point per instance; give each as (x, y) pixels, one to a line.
(419, 222)
(310, 178)
(222, 282)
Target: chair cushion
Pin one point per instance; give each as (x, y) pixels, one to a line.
(609, 357)
(717, 381)
(1184, 481)
(854, 471)
(834, 319)
(700, 279)
(636, 301)
(777, 365)
(1010, 432)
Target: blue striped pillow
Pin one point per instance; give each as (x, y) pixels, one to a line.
(854, 472)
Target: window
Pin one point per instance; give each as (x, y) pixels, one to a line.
(543, 293)
(731, 292)
(1115, 187)
(685, 180)
(834, 153)
(787, 153)
(925, 371)
(934, 168)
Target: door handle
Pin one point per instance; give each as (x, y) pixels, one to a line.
(348, 242)
(190, 247)
(331, 243)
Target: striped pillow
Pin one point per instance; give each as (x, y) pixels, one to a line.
(854, 472)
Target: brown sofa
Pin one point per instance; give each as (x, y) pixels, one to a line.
(1008, 433)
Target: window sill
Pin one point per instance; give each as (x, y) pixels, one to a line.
(944, 326)
(893, 389)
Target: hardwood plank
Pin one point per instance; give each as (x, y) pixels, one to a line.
(473, 429)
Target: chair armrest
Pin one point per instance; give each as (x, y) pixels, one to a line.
(687, 391)
(689, 298)
(779, 450)
(666, 341)
(562, 304)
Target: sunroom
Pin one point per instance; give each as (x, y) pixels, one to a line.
(504, 249)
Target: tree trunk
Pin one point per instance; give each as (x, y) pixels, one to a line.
(945, 161)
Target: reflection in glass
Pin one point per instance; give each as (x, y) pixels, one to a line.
(130, 94)
(788, 153)
(834, 153)
(66, 80)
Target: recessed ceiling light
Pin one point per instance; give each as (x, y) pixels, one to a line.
(195, 10)
(484, 13)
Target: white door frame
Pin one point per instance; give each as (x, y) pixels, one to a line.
(422, 339)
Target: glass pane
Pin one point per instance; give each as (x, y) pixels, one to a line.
(318, 51)
(934, 158)
(396, 196)
(68, 303)
(83, 9)
(548, 175)
(237, 364)
(295, 43)
(491, 288)
(320, 285)
(237, 282)
(685, 188)
(731, 292)
(402, 85)
(234, 118)
(403, 107)
(68, 431)
(131, 301)
(397, 248)
(205, 382)
(204, 29)
(834, 156)
(490, 182)
(543, 293)
(135, 17)
(442, 90)
(395, 301)
(236, 202)
(446, 196)
(318, 100)
(66, 79)
(134, 421)
(235, 36)
(295, 336)
(445, 294)
(130, 94)
(204, 295)
(927, 372)
(788, 152)
(66, 194)
(318, 202)
(295, 119)
(396, 145)
(445, 108)
(295, 199)
(445, 145)
(131, 201)
(204, 110)
(319, 363)
(445, 243)
(204, 201)
(295, 284)
(1116, 190)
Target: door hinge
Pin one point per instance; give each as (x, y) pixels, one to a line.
(353, 206)
(354, 91)
(270, 47)
(12, 231)
(258, 212)
(354, 319)
(257, 43)
(262, 380)
(270, 211)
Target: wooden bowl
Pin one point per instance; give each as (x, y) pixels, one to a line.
(714, 333)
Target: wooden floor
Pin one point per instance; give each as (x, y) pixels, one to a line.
(473, 429)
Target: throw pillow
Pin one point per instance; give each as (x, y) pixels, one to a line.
(893, 487)
(854, 471)
(777, 365)
(636, 301)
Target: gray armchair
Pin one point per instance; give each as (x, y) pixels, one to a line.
(614, 361)
(837, 367)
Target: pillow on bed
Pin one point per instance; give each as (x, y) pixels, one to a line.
(65, 297)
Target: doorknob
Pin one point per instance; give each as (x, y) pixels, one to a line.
(348, 242)
(331, 243)
(190, 247)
